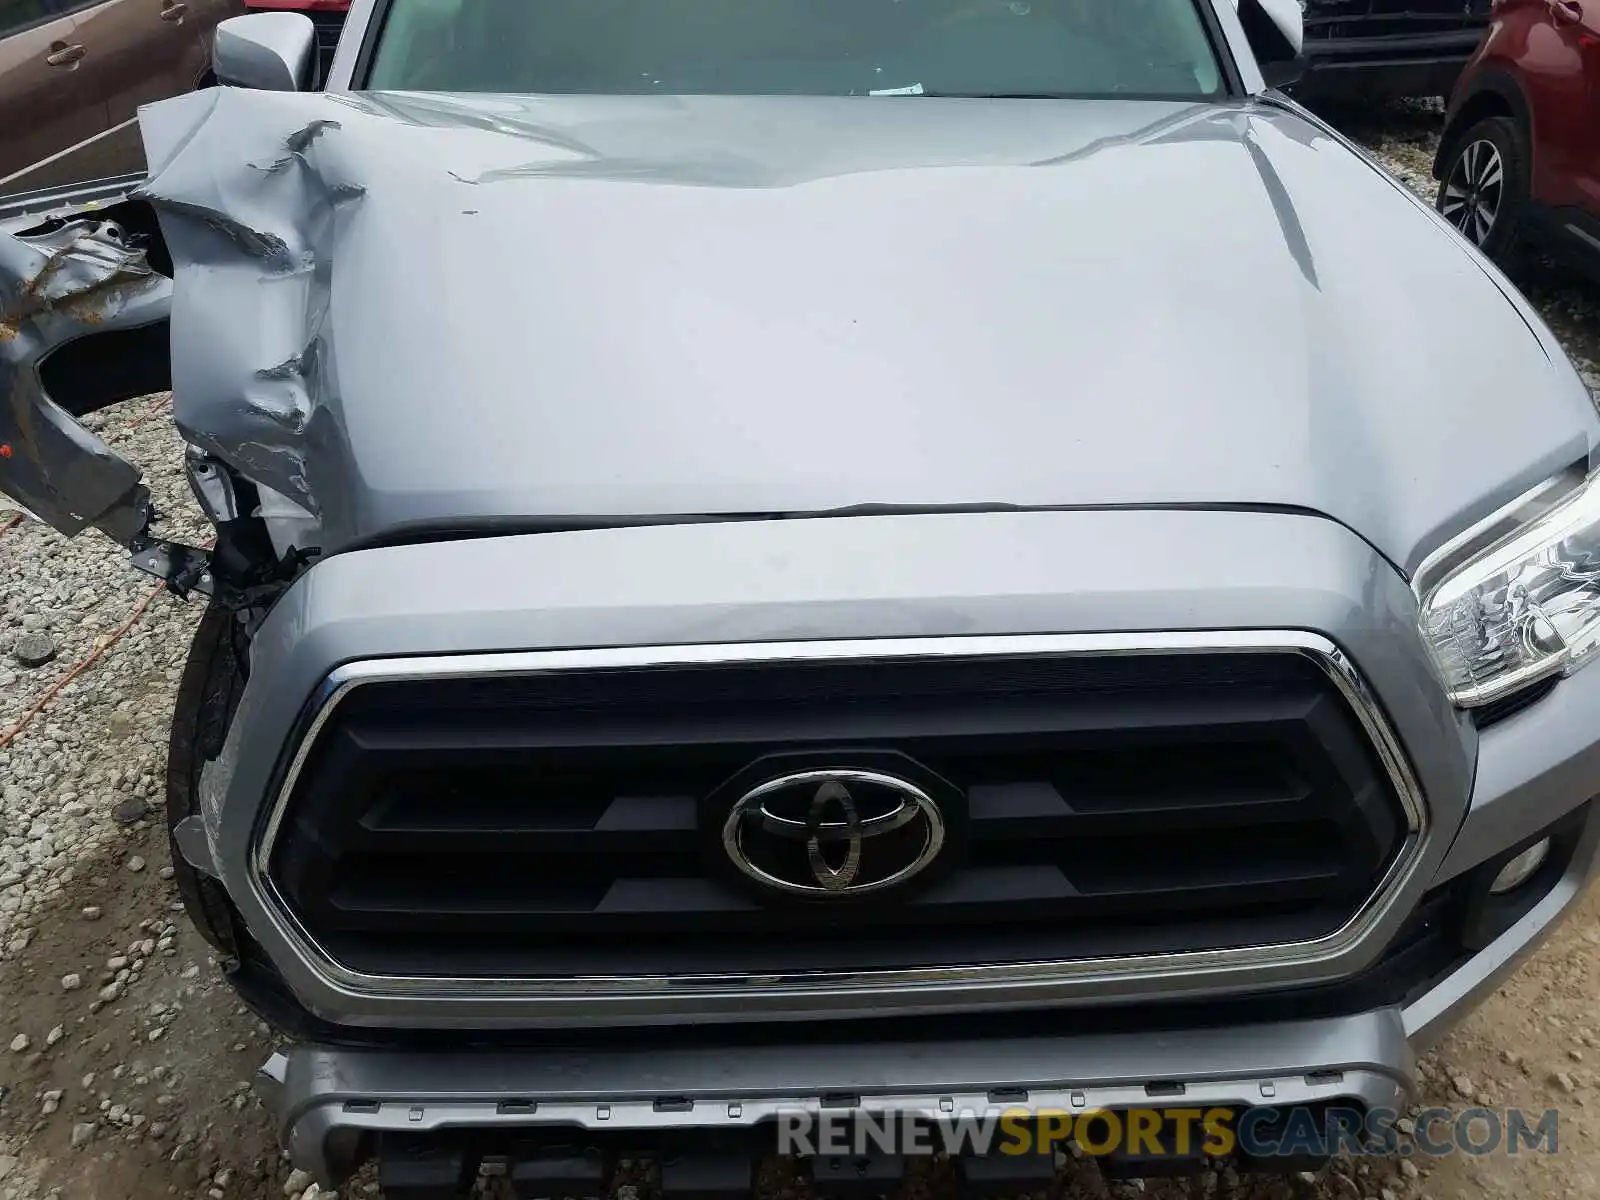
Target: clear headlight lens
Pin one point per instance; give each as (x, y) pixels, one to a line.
(1524, 609)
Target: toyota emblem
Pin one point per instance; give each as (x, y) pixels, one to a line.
(834, 834)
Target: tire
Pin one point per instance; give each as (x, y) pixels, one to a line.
(208, 693)
(1484, 187)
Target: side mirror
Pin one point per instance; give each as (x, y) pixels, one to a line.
(1277, 31)
(272, 51)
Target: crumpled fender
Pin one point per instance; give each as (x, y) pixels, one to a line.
(228, 203)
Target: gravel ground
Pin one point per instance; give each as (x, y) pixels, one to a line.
(128, 1057)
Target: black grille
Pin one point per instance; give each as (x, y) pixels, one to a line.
(547, 825)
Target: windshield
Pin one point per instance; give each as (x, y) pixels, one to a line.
(798, 47)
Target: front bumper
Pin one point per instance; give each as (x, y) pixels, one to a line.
(333, 1104)
(336, 1107)
(673, 1061)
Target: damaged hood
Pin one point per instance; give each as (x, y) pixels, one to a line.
(414, 311)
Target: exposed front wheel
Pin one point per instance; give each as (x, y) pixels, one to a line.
(208, 692)
(1485, 188)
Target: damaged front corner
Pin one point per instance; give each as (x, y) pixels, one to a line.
(251, 192)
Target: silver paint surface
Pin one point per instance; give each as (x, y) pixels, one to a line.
(410, 312)
(414, 310)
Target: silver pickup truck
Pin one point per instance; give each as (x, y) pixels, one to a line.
(781, 565)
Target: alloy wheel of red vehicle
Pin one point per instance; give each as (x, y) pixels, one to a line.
(1472, 193)
(1485, 188)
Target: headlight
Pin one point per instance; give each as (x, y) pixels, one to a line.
(1524, 609)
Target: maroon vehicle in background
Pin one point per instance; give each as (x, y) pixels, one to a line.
(327, 15)
(1520, 159)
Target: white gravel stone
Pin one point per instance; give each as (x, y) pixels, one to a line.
(71, 983)
(136, 863)
(82, 1134)
(55, 1035)
(103, 736)
(34, 650)
(297, 1182)
(20, 1043)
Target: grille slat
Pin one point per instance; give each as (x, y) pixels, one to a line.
(1008, 812)
(520, 826)
(644, 905)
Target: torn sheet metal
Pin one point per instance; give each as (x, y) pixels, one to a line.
(60, 281)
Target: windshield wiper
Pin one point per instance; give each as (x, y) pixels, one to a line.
(937, 95)
(1129, 95)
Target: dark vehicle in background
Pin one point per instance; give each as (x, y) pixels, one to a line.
(72, 73)
(1388, 47)
(327, 15)
(1520, 158)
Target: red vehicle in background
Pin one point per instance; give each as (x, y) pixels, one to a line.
(327, 15)
(1520, 158)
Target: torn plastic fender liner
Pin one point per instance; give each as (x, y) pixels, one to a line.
(67, 281)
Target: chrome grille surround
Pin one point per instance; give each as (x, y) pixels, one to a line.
(945, 981)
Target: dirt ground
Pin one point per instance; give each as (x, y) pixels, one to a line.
(129, 1060)
(161, 1072)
